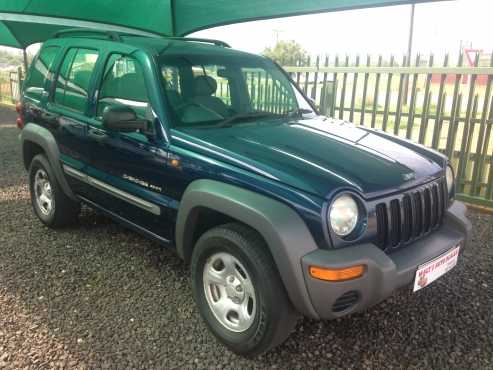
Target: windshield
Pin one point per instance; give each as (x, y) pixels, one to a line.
(224, 90)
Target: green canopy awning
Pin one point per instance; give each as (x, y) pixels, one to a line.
(23, 22)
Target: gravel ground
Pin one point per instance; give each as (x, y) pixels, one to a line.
(100, 296)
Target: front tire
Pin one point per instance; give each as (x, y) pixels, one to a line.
(238, 290)
(50, 204)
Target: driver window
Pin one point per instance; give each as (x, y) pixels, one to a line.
(123, 84)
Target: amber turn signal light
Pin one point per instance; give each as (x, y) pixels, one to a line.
(347, 273)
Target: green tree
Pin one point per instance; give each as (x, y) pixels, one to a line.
(286, 53)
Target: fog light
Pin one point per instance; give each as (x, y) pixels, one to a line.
(347, 273)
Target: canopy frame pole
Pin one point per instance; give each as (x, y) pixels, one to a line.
(24, 55)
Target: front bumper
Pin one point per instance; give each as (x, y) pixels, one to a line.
(385, 273)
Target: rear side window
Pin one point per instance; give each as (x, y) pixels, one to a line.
(40, 72)
(72, 86)
(123, 84)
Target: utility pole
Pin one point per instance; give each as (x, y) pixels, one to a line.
(409, 51)
(277, 33)
(411, 34)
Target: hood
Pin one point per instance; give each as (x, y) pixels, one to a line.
(320, 155)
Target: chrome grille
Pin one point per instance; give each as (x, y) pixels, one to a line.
(410, 216)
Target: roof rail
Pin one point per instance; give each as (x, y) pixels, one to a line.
(117, 36)
(78, 32)
(195, 39)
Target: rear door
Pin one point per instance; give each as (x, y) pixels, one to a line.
(67, 108)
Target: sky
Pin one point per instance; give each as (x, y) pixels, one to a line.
(439, 28)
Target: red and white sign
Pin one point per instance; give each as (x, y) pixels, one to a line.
(432, 270)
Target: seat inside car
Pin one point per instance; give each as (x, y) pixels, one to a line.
(204, 87)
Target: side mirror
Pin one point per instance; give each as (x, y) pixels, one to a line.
(123, 119)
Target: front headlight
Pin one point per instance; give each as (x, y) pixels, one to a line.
(343, 215)
(449, 177)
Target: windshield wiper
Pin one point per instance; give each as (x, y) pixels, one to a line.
(298, 112)
(244, 116)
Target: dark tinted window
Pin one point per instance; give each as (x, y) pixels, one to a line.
(72, 85)
(123, 84)
(40, 71)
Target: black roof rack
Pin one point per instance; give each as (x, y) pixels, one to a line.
(195, 39)
(78, 32)
(117, 36)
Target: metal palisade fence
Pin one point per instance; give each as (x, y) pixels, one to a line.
(10, 85)
(444, 107)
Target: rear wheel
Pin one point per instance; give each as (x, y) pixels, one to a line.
(238, 290)
(49, 202)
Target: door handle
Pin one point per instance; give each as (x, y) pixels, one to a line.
(97, 135)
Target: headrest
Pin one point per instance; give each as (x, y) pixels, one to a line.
(82, 78)
(204, 85)
(132, 87)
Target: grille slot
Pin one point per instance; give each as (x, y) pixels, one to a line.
(382, 224)
(427, 209)
(345, 301)
(403, 219)
(418, 214)
(395, 221)
(407, 222)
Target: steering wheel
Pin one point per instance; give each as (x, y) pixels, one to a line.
(187, 104)
(208, 114)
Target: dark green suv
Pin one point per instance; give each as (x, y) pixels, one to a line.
(218, 154)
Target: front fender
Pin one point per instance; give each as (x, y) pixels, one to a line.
(281, 227)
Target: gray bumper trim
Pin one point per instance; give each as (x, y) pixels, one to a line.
(385, 273)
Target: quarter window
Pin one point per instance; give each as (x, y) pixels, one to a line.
(40, 72)
(72, 87)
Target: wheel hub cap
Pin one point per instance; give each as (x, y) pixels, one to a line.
(43, 192)
(229, 292)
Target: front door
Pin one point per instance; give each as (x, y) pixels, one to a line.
(128, 170)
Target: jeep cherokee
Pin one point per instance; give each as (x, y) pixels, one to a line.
(217, 153)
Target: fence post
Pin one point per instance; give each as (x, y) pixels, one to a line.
(313, 94)
(468, 128)
(387, 97)
(398, 109)
(343, 91)
(324, 92)
(484, 137)
(365, 87)
(375, 95)
(353, 94)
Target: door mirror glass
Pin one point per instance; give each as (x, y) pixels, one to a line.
(123, 119)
